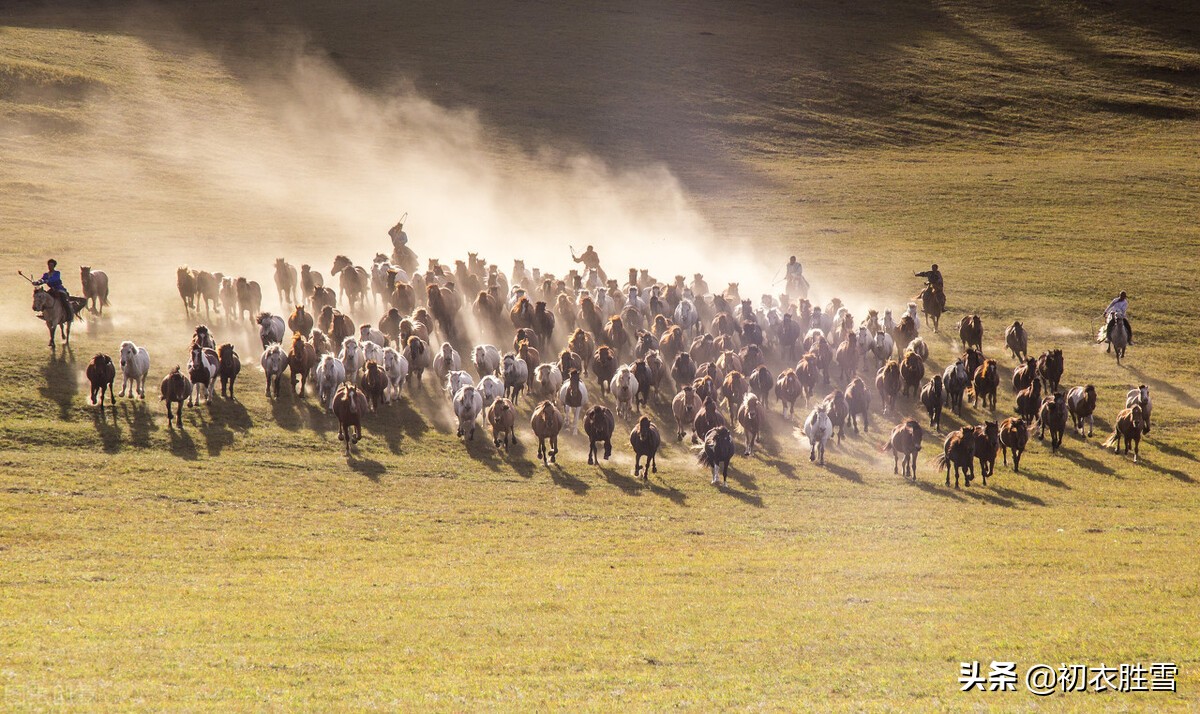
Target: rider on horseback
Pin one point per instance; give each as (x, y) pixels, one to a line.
(591, 261)
(1117, 309)
(796, 283)
(52, 279)
(933, 279)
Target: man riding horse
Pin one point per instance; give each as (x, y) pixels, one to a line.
(796, 284)
(401, 253)
(934, 284)
(591, 261)
(1117, 309)
(52, 279)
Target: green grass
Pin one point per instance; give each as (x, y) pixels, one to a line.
(244, 563)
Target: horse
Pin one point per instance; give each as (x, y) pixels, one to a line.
(919, 347)
(846, 357)
(352, 282)
(502, 417)
(717, 452)
(302, 359)
(1016, 340)
(443, 305)
(101, 373)
(55, 315)
(546, 424)
(912, 371)
(837, 409)
(208, 291)
(970, 332)
(1141, 397)
(761, 381)
(1029, 401)
(374, 384)
(750, 420)
(1053, 414)
(203, 338)
(516, 376)
(788, 334)
(687, 317)
(310, 280)
(858, 400)
(645, 441)
(1014, 434)
(887, 382)
(734, 388)
(446, 360)
(95, 288)
(528, 352)
(573, 397)
(625, 390)
(486, 359)
(684, 407)
(285, 281)
(351, 356)
(818, 428)
(349, 405)
(931, 399)
(822, 354)
(615, 335)
(984, 384)
(787, 390)
(1128, 428)
(1081, 406)
(273, 361)
(599, 425)
(1025, 374)
(933, 304)
(135, 365)
(987, 443)
(249, 298)
(329, 375)
(1118, 336)
(905, 444)
(543, 322)
(417, 354)
(322, 297)
(175, 389)
(958, 451)
(707, 418)
(270, 329)
(1050, 370)
(229, 366)
(395, 369)
(203, 367)
(955, 380)
(468, 405)
(185, 282)
(583, 344)
(604, 367)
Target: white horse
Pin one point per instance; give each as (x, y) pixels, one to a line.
(919, 347)
(547, 380)
(456, 379)
(687, 317)
(206, 360)
(371, 351)
(911, 311)
(515, 296)
(624, 390)
(591, 280)
(889, 323)
(274, 361)
(366, 334)
(491, 388)
(632, 299)
(883, 346)
(395, 368)
(446, 361)
(1141, 397)
(467, 406)
(486, 360)
(135, 365)
(330, 373)
(818, 428)
(351, 356)
(270, 329)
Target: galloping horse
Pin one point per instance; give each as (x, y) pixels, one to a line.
(55, 315)
(933, 304)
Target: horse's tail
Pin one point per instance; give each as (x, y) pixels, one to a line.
(886, 447)
(1112, 440)
(941, 461)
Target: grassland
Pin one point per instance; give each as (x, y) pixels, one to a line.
(242, 563)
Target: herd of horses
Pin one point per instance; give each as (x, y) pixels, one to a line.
(584, 348)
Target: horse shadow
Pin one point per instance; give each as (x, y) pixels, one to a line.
(140, 421)
(286, 413)
(370, 468)
(182, 444)
(110, 434)
(1042, 478)
(60, 384)
(1012, 495)
(568, 481)
(1084, 461)
(846, 473)
(1158, 385)
(231, 414)
(752, 499)
(1174, 473)
(938, 490)
(985, 497)
(1172, 450)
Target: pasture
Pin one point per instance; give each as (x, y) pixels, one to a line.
(242, 562)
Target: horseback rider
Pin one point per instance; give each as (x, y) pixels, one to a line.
(1117, 309)
(591, 261)
(52, 279)
(399, 237)
(796, 283)
(933, 282)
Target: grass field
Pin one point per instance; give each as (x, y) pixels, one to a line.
(1043, 154)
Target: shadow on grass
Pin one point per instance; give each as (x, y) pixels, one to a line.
(636, 487)
(1171, 450)
(938, 489)
(1040, 478)
(1012, 495)
(844, 472)
(750, 498)
(182, 444)
(1082, 460)
(1157, 384)
(140, 420)
(60, 382)
(1174, 473)
(568, 481)
(370, 468)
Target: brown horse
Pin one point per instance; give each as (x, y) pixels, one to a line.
(1024, 374)
(703, 349)
(521, 314)
(1053, 415)
(615, 335)
(887, 382)
(502, 417)
(604, 366)
(750, 418)
(1081, 405)
(95, 288)
(858, 400)
(787, 390)
(933, 304)
(709, 417)
(547, 422)
(1029, 401)
(583, 344)
(970, 332)
(912, 371)
(958, 451)
(249, 298)
(443, 305)
(645, 441)
(984, 385)
(1050, 370)
(932, 398)
(846, 357)
(1128, 429)
(349, 405)
(185, 281)
(175, 389)
(353, 282)
(684, 407)
(1017, 340)
(300, 321)
(1014, 434)
(599, 424)
(373, 384)
(987, 443)
(733, 390)
(302, 359)
(837, 409)
(905, 444)
(101, 373)
(286, 281)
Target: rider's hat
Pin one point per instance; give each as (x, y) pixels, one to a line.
(1122, 294)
